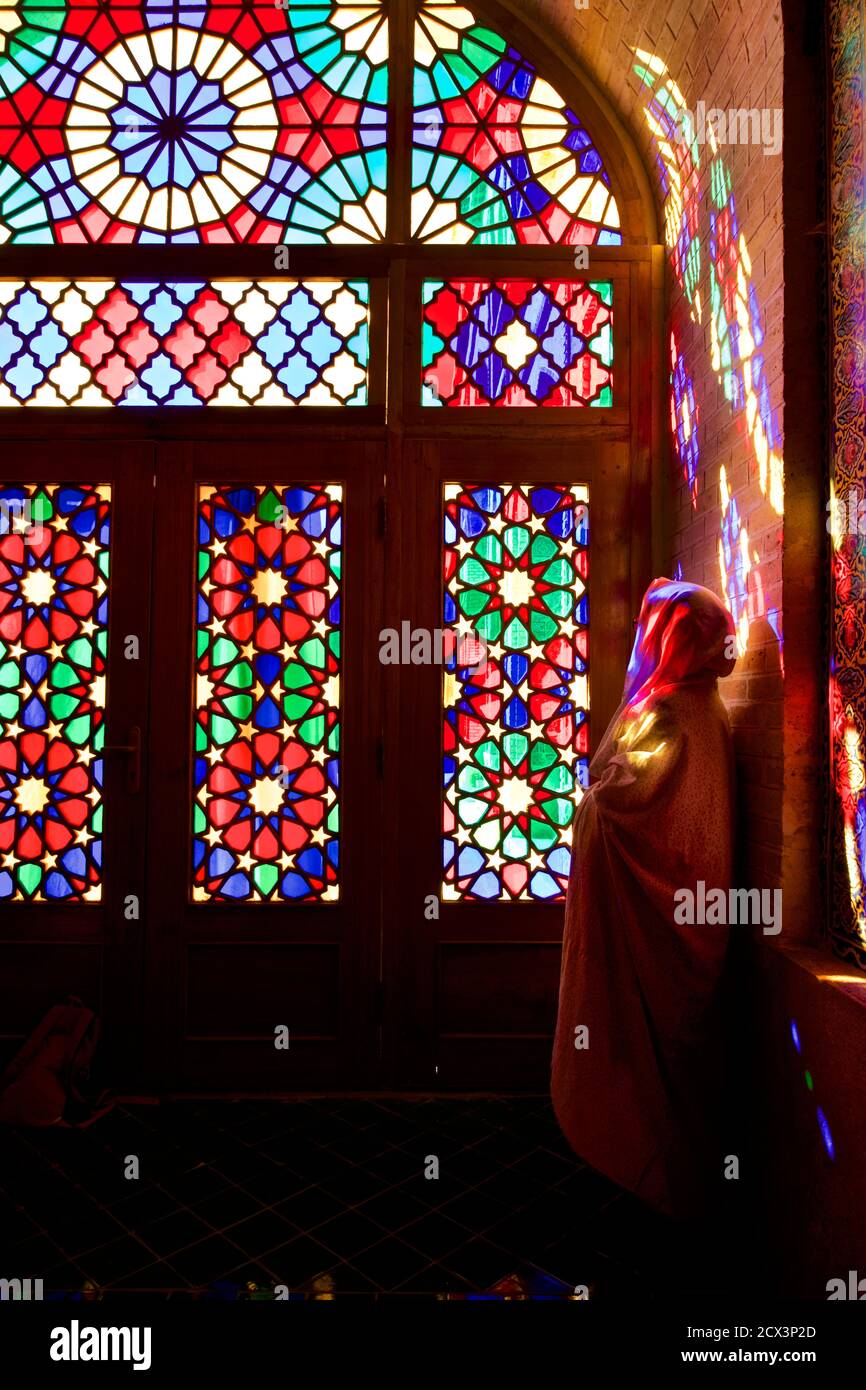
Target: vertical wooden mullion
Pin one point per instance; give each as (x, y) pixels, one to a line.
(378, 358)
(125, 840)
(411, 775)
(398, 507)
(427, 704)
(362, 819)
(400, 106)
(171, 696)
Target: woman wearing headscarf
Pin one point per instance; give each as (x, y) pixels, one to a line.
(635, 1063)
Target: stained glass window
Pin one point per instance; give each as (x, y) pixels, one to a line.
(191, 342)
(193, 121)
(267, 724)
(499, 157)
(265, 121)
(54, 552)
(517, 343)
(515, 690)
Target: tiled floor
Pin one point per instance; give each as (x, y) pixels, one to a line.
(324, 1196)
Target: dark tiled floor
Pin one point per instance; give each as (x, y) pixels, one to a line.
(324, 1196)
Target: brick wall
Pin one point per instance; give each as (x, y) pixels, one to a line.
(727, 53)
(730, 52)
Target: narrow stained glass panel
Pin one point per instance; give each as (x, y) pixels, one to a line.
(184, 342)
(499, 157)
(517, 343)
(515, 720)
(267, 722)
(54, 553)
(193, 121)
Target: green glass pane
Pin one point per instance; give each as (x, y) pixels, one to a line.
(511, 793)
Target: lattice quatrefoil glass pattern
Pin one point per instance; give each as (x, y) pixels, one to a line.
(267, 722)
(193, 121)
(184, 342)
(516, 722)
(517, 343)
(54, 553)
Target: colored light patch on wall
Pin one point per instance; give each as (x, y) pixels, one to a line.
(499, 158)
(684, 419)
(736, 325)
(678, 161)
(193, 121)
(516, 734)
(184, 342)
(742, 585)
(823, 1126)
(692, 221)
(267, 704)
(53, 650)
(517, 343)
(737, 333)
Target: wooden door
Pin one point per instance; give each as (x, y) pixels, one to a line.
(263, 933)
(75, 568)
(472, 964)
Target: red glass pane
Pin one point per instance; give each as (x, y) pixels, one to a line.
(517, 343)
(267, 704)
(515, 690)
(54, 553)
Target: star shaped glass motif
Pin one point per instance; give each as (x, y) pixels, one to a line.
(53, 650)
(516, 725)
(267, 775)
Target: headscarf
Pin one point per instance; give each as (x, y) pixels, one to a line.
(684, 634)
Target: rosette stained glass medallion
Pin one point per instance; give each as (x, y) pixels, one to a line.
(210, 121)
(515, 691)
(54, 553)
(267, 722)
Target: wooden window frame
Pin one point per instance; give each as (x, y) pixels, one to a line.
(407, 449)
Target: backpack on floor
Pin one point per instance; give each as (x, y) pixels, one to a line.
(45, 1083)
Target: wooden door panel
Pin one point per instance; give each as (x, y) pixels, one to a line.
(72, 701)
(223, 975)
(471, 991)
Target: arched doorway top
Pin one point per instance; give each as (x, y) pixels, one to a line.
(610, 133)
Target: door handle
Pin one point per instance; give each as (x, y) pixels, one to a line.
(133, 752)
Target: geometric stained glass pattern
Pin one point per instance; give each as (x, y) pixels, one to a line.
(516, 724)
(54, 551)
(267, 703)
(218, 342)
(499, 158)
(184, 121)
(517, 343)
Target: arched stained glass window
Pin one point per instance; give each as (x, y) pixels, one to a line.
(247, 121)
(500, 158)
(264, 130)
